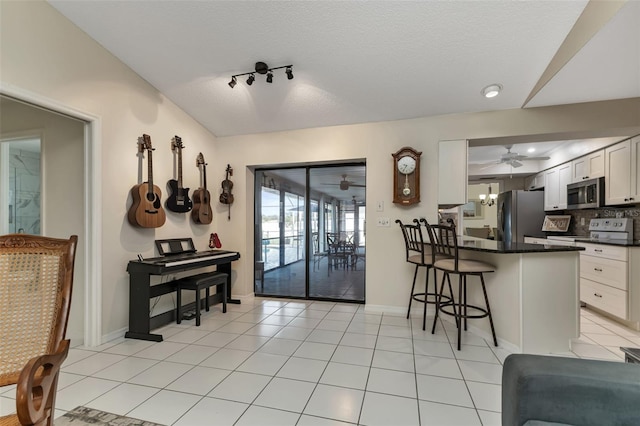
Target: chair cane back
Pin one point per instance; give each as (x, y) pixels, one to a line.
(36, 277)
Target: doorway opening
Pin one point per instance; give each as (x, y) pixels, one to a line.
(310, 232)
(20, 186)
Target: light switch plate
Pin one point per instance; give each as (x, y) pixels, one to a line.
(383, 221)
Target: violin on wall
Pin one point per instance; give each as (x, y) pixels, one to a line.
(226, 197)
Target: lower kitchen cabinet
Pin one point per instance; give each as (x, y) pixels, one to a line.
(609, 280)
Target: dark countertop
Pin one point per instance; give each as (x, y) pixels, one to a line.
(490, 246)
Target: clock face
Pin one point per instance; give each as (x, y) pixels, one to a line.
(406, 165)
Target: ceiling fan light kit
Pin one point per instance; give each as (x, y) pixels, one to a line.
(262, 68)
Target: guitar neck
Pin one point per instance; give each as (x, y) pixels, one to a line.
(150, 171)
(179, 167)
(204, 176)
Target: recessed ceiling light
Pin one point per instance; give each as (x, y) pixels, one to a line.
(491, 91)
(531, 150)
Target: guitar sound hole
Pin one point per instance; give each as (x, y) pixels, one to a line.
(151, 197)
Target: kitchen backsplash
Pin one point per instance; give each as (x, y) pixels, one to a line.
(577, 228)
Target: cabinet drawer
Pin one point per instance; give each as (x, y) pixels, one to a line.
(603, 297)
(605, 271)
(603, 250)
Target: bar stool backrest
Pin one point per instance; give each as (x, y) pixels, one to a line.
(413, 239)
(444, 240)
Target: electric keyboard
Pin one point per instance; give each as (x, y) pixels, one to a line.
(177, 256)
(183, 259)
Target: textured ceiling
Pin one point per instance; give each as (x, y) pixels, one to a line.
(359, 61)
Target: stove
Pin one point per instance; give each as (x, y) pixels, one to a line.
(615, 229)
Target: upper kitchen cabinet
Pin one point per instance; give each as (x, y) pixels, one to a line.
(534, 182)
(452, 173)
(622, 173)
(588, 167)
(555, 187)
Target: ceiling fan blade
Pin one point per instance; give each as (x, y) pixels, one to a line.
(534, 158)
(357, 185)
(514, 163)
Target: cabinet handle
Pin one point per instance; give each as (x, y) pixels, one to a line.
(631, 199)
(597, 269)
(598, 250)
(597, 295)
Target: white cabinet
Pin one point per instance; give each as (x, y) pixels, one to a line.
(535, 182)
(604, 278)
(622, 172)
(555, 187)
(452, 173)
(588, 167)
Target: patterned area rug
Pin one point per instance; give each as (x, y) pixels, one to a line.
(83, 416)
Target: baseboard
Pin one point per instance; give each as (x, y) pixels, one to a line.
(385, 309)
(113, 335)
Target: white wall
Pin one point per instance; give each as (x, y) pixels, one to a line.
(43, 53)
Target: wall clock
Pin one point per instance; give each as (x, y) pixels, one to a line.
(406, 176)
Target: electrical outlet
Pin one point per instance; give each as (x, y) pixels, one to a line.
(582, 221)
(380, 206)
(383, 221)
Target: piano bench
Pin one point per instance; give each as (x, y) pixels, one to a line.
(197, 283)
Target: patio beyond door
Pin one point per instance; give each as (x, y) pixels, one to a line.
(310, 232)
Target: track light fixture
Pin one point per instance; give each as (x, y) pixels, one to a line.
(261, 68)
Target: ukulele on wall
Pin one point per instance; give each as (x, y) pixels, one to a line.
(179, 200)
(201, 212)
(146, 210)
(226, 197)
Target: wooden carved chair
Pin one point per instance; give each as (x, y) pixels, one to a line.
(36, 276)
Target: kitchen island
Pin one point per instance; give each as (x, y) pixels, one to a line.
(534, 294)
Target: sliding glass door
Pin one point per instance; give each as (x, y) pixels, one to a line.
(309, 238)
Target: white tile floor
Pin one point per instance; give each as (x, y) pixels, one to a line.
(280, 362)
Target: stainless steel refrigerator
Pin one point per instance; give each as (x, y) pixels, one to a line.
(520, 213)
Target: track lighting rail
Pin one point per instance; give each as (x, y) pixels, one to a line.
(261, 68)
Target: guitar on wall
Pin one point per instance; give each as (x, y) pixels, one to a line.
(146, 210)
(201, 212)
(179, 200)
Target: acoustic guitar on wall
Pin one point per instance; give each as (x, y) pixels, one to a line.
(201, 212)
(146, 210)
(179, 200)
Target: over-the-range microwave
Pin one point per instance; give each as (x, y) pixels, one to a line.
(587, 194)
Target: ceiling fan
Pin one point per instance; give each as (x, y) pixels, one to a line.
(346, 184)
(514, 159)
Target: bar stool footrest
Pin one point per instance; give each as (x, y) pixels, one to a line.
(484, 313)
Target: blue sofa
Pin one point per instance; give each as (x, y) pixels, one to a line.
(547, 390)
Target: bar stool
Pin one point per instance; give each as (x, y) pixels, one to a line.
(197, 283)
(450, 263)
(419, 254)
